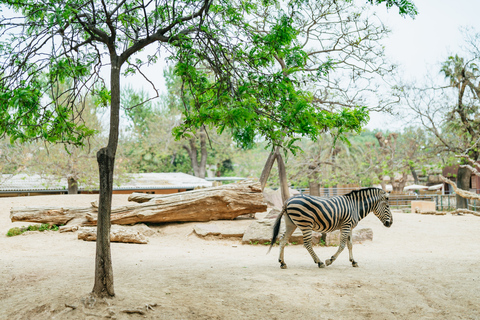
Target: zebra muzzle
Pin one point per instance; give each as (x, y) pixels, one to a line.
(387, 223)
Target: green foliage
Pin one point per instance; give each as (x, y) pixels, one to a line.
(404, 7)
(42, 227)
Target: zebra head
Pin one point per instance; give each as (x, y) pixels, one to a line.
(382, 209)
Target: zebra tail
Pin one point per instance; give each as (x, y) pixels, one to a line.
(276, 227)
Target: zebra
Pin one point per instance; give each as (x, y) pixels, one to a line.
(310, 213)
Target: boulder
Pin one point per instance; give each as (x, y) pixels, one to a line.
(116, 235)
(212, 229)
(274, 197)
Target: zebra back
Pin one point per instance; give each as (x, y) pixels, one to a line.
(328, 214)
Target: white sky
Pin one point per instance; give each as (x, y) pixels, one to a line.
(426, 41)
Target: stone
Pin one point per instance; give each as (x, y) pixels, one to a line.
(116, 235)
(211, 229)
(204, 230)
(274, 197)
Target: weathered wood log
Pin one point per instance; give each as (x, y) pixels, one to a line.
(116, 235)
(245, 186)
(225, 202)
(218, 203)
(51, 215)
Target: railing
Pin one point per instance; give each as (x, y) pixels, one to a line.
(404, 201)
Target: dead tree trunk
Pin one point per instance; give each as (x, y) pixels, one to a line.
(266, 169)
(282, 174)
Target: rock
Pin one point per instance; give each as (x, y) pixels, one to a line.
(359, 235)
(273, 214)
(204, 230)
(116, 235)
(143, 229)
(274, 197)
(211, 229)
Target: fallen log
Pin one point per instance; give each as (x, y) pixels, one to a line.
(245, 186)
(50, 215)
(116, 235)
(219, 203)
(225, 202)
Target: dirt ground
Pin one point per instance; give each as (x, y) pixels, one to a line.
(423, 267)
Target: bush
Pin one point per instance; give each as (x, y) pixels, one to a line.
(35, 227)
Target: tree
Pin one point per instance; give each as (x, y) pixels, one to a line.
(451, 112)
(77, 39)
(283, 103)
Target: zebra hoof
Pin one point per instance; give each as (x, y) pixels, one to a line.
(354, 264)
(328, 262)
(321, 264)
(283, 266)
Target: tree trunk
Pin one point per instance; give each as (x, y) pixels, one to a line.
(203, 153)
(266, 169)
(314, 188)
(199, 167)
(282, 174)
(463, 182)
(103, 285)
(192, 153)
(414, 174)
(72, 185)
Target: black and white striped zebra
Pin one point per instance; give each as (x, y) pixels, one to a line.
(343, 213)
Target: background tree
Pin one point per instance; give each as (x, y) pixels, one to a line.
(451, 112)
(278, 104)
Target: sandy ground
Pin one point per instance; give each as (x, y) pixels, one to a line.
(423, 267)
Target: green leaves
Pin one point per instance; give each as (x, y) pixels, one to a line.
(405, 7)
(23, 118)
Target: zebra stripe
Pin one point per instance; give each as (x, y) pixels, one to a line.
(309, 213)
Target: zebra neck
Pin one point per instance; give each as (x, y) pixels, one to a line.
(365, 206)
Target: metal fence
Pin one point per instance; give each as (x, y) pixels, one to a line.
(404, 201)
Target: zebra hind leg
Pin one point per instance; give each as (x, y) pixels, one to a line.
(350, 246)
(307, 243)
(289, 229)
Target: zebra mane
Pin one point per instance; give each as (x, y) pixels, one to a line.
(353, 192)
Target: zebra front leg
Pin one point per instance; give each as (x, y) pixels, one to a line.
(350, 246)
(343, 242)
(289, 229)
(307, 243)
